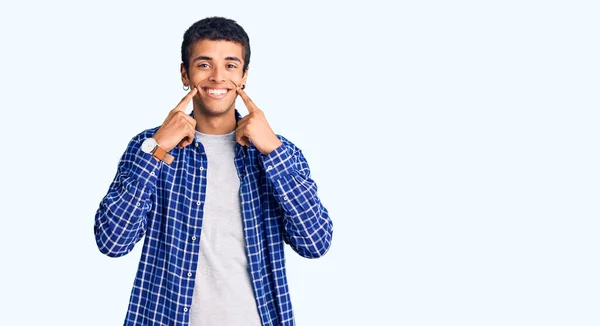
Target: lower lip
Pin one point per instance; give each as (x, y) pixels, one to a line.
(216, 96)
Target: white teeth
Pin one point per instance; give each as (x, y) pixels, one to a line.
(217, 91)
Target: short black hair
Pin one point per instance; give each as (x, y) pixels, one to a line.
(214, 29)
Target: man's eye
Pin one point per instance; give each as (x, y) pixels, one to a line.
(203, 65)
(231, 66)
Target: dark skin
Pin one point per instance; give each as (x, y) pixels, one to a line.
(216, 73)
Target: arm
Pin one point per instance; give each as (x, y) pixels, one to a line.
(121, 218)
(306, 223)
(120, 221)
(308, 228)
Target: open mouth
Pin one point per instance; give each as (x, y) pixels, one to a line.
(216, 92)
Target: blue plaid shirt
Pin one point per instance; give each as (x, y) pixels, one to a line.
(163, 204)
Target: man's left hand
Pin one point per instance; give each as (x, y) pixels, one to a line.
(255, 127)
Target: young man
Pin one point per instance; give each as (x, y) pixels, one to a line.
(215, 196)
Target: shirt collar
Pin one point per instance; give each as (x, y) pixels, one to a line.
(241, 151)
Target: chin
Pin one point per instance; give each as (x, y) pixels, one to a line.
(215, 110)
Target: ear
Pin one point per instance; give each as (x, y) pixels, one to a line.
(184, 76)
(245, 76)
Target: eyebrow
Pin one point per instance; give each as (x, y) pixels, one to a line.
(203, 57)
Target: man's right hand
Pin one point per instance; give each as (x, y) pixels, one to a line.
(179, 128)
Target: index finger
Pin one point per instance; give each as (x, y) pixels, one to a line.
(186, 100)
(249, 104)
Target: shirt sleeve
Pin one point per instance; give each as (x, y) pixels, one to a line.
(120, 220)
(307, 225)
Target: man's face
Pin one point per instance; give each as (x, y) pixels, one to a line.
(213, 66)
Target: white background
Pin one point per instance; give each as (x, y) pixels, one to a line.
(455, 145)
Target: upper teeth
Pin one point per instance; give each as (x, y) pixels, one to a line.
(217, 91)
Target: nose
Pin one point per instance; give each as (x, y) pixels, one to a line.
(217, 75)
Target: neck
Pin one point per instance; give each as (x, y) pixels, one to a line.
(215, 124)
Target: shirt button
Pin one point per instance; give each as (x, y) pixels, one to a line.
(189, 273)
(194, 238)
(138, 204)
(269, 168)
(198, 203)
(201, 168)
(286, 198)
(152, 173)
(184, 309)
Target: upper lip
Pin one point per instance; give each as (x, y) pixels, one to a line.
(217, 86)
(207, 88)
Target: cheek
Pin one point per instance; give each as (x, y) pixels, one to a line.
(239, 79)
(198, 79)
(197, 74)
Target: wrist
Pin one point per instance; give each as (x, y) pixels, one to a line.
(271, 147)
(150, 146)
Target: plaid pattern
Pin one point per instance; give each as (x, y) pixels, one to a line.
(163, 204)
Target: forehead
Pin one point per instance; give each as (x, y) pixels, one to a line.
(217, 49)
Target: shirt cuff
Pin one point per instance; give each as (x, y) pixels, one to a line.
(145, 169)
(279, 163)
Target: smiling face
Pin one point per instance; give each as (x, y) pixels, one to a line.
(214, 67)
